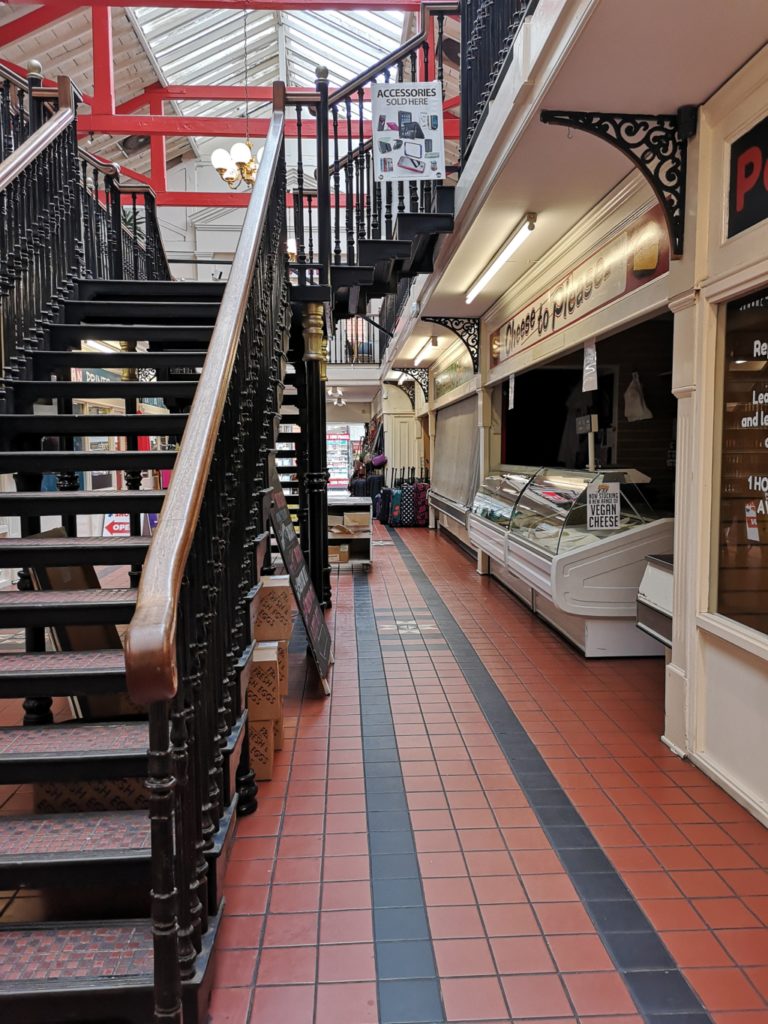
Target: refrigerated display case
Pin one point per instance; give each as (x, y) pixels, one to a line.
(533, 524)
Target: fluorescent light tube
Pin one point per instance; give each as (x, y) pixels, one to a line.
(517, 238)
(429, 343)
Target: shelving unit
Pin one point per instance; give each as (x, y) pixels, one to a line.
(361, 540)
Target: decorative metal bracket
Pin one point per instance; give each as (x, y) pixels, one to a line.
(409, 387)
(465, 327)
(421, 376)
(655, 143)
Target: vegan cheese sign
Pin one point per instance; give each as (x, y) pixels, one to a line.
(603, 507)
(408, 142)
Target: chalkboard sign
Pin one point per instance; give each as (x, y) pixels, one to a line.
(312, 614)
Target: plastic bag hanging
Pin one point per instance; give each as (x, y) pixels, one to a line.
(634, 401)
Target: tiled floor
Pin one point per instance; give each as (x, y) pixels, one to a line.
(479, 825)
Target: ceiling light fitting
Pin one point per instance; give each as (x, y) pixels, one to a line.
(239, 165)
(432, 342)
(516, 239)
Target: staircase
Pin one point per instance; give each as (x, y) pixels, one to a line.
(89, 833)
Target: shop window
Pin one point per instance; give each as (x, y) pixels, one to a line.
(742, 583)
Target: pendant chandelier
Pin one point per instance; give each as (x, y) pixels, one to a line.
(239, 165)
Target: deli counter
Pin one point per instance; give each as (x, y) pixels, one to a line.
(538, 527)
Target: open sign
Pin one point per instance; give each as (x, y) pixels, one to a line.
(748, 192)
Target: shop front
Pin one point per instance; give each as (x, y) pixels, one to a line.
(579, 484)
(717, 679)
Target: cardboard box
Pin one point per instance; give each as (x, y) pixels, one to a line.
(359, 520)
(261, 749)
(260, 679)
(343, 553)
(333, 556)
(335, 520)
(282, 666)
(271, 611)
(279, 734)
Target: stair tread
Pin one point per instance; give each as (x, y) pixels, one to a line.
(81, 739)
(72, 543)
(61, 835)
(62, 497)
(72, 952)
(63, 663)
(70, 598)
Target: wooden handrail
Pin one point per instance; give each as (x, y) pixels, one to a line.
(403, 51)
(13, 76)
(32, 147)
(150, 649)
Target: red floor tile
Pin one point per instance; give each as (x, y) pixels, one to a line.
(538, 995)
(473, 999)
(294, 1003)
(601, 993)
(346, 1002)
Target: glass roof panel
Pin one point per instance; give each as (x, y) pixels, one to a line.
(204, 46)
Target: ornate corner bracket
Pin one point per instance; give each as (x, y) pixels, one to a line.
(421, 376)
(467, 328)
(655, 143)
(409, 387)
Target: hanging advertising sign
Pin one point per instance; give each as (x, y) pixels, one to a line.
(603, 507)
(636, 256)
(408, 138)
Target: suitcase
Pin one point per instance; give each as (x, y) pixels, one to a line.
(377, 506)
(386, 504)
(394, 512)
(407, 506)
(421, 504)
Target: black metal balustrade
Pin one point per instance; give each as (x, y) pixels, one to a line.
(391, 309)
(355, 342)
(488, 31)
(14, 111)
(361, 208)
(60, 219)
(191, 624)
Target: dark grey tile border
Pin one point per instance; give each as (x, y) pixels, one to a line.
(408, 987)
(658, 987)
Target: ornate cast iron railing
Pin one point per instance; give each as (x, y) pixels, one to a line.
(355, 342)
(60, 219)
(14, 111)
(40, 232)
(488, 31)
(360, 207)
(191, 623)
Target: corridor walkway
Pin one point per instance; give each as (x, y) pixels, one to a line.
(479, 825)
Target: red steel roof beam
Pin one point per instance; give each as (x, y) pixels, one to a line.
(103, 64)
(35, 20)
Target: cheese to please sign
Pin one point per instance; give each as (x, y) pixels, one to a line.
(633, 258)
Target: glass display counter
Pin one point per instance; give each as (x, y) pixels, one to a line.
(534, 524)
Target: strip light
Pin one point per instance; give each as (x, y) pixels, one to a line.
(429, 343)
(519, 235)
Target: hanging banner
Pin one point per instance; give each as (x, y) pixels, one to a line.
(408, 140)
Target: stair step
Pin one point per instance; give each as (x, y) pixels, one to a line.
(62, 674)
(32, 390)
(77, 311)
(44, 850)
(17, 424)
(346, 275)
(374, 250)
(82, 750)
(173, 335)
(16, 552)
(19, 609)
(91, 973)
(188, 361)
(62, 462)
(147, 291)
(76, 503)
(409, 226)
